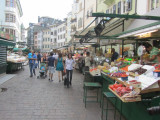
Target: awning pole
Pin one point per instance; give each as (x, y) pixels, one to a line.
(122, 48)
(136, 47)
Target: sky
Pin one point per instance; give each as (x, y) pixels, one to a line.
(57, 9)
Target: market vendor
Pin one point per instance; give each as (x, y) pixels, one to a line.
(153, 53)
(114, 55)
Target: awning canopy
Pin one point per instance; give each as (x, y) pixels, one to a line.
(4, 42)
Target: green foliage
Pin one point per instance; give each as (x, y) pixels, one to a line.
(109, 2)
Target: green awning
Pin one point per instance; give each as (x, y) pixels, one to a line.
(4, 42)
(137, 29)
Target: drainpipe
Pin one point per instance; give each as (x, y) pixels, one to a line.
(84, 13)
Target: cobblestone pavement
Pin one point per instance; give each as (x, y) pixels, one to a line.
(38, 99)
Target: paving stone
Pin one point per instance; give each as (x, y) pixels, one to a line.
(38, 99)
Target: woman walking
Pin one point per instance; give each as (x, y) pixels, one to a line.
(69, 68)
(60, 66)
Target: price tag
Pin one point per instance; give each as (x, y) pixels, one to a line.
(155, 75)
(137, 78)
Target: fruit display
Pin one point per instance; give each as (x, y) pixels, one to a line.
(134, 67)
(106, 71)
(120, 89)
(118, 74)
(140, 71)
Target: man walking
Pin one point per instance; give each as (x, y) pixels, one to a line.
(32, 58)
(34, 62)
(51, 64)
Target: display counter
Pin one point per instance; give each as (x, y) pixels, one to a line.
(134, 110)
(14, 66)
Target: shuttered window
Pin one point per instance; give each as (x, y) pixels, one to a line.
(3, 55)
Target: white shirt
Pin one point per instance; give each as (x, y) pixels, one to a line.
(88, 61)
(55, 56)
(69, 64)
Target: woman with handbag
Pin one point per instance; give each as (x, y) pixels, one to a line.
(60, 66)
(69, 69)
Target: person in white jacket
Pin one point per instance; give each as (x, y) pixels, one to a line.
(69, 68)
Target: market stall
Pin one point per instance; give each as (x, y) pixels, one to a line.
(15, 62)
(135, 83)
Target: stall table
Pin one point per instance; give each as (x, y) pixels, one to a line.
(133, 110)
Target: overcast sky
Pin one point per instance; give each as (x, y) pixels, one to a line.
(53, 8)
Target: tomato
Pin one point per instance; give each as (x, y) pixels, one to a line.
(111, 87)
(114, 89)
(115, 85)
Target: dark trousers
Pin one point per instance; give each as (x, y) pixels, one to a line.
(31, 69)
(69, 75)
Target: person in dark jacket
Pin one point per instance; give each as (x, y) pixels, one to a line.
(39, 58)
(114, 55)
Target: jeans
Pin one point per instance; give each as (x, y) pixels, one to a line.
(69, 75)
(39, 62)
(31, 68)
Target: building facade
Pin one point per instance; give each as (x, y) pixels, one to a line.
(10, 20)
(40, 40)
(47, 40)
(61, 34)
(53, 36)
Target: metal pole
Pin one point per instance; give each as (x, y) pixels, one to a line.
(136, 47)
(122, 48)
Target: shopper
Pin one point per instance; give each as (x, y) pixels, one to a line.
(39, 59)
(60, 66)
(34, 62)
(87, 61)
(114, 55)
(69, 68)
(51, 64)
(81, 63)
(153, 53)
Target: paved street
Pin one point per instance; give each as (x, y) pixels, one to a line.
(38, 99)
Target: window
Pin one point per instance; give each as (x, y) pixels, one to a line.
(48, 46)
(91, 12)
(80, 23)
(87, 14)
(119, 8)
(48, 39)
(10, 3)
(10, 31)
(111, 10)
(124, 6)
(157, 3)
(107, 11)
(64, 28)
(10, 18)
(114, 9)
(51, 40)
(129, 3)
(55, 40)
(51, 33)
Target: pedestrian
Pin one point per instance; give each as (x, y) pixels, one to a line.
(51, 64)
(69, 68)
(81, 63)
(31, 62)
(114, 55)
(60, 66)
(34, 62)
(87, 61)
(39, 59)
